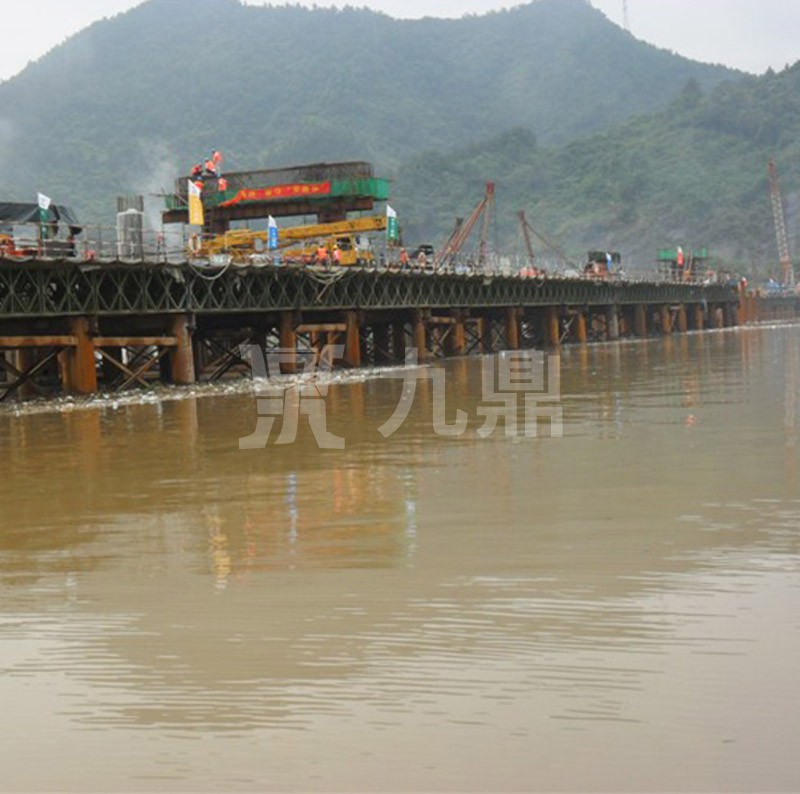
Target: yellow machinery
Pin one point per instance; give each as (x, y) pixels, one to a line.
(241, 243)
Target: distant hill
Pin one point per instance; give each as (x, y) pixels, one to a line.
(694, 174)
(130, 102)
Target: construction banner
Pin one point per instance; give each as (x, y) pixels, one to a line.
(281, 192)
(195, 205)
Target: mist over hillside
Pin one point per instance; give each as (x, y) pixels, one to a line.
(130, 102)
(693, 174)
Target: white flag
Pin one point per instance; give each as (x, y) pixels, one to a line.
(390, 213)
(44, 201)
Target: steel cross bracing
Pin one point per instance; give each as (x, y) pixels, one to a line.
(36, 289)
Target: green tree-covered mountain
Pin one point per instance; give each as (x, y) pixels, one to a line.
(693, 174)
(130, 102)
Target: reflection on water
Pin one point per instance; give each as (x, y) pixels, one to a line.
(612, 610)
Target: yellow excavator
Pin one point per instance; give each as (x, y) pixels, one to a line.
(240, 244)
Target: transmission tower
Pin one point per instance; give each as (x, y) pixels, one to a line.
(787, 270)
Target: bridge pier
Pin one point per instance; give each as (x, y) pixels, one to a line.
(352, 340)
(419, 334)
(666, 319)
(512, 328)
(612, 324)
(288, 342)
(699, 317)
(552, 327)
(640, 320)
(79, 370)
(581, 334)
(683, 323)
(459, 335)
(181, 357)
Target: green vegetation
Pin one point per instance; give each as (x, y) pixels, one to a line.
(131, 102)
(605, 141)
(693, 174)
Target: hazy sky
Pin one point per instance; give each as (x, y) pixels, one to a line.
(746, 34)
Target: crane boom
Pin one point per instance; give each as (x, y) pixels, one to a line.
(526, 228)
(779, 217)
(526, 236)
(450, 249)
(370, 223)
(242, 242)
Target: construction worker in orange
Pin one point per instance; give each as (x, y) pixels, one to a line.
(222, 184)
(337, 255)
(322, 255)
(403, 258)
(679, 263)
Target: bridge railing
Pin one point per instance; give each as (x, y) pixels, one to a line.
(179, 243)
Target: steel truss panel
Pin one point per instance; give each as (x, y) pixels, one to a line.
(37, 289)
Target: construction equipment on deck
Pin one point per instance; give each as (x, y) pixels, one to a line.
(242, 243)
(527, 230)
(446, 255)
(787, 270)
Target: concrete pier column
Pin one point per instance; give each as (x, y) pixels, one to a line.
(612, 323)
(683, 323)
(352, 341)
(718, 317)
(640, 320)
(581, 334)
(288, 339)
(79, 373)
(181, 358)
(666, 320)
(512, 328)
